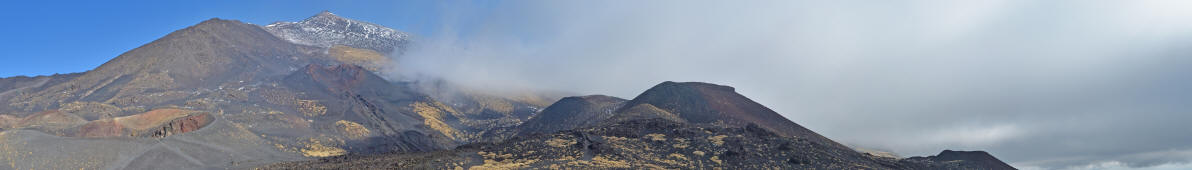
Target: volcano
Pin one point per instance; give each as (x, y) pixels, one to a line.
(224, 94)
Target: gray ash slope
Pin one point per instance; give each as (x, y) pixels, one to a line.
(674, 138)
(327, 29)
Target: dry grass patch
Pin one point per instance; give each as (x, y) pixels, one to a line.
(352, 130)
(718, 139)
(656, 137)
(317, 149)
(603, 162)
(433, 116)
(559, 143)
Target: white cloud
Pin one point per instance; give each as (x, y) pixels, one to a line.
(972, 137)
(1024, 80)
(1115, 165)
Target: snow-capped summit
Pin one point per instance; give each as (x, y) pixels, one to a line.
(326, 29)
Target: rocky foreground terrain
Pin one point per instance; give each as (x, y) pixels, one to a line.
(224, 94)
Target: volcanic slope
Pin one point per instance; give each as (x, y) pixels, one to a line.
(704, 103)
(570, 113)
(227, 94)
(171, 90)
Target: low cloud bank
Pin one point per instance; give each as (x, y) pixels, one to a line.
(1047, 84)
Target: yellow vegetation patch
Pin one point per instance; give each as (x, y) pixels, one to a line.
(716, 159)
(656, 137)
(433, 117)
(718, 139)
(680, 143)
(699, 153)
(446, 108)
(505, 163)
(615, 138)
(317, 149)
(602, 162)
(352, 130)
(678, 156)
(556, 142)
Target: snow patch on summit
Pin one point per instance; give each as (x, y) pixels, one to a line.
(327, 29)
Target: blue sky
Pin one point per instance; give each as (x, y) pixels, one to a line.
(47, 37)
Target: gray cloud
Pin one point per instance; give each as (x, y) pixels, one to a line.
(1040, 84)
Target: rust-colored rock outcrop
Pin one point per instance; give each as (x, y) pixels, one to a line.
(183, 125)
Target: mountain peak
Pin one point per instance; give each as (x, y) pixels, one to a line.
(967, 159)
(213, 20)
(672, 84)
(215, 24)
(212, 48)
(706, 103)
(572, 112)
(593, 97)
(325, 13)
(980, 156)
(326, 29)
